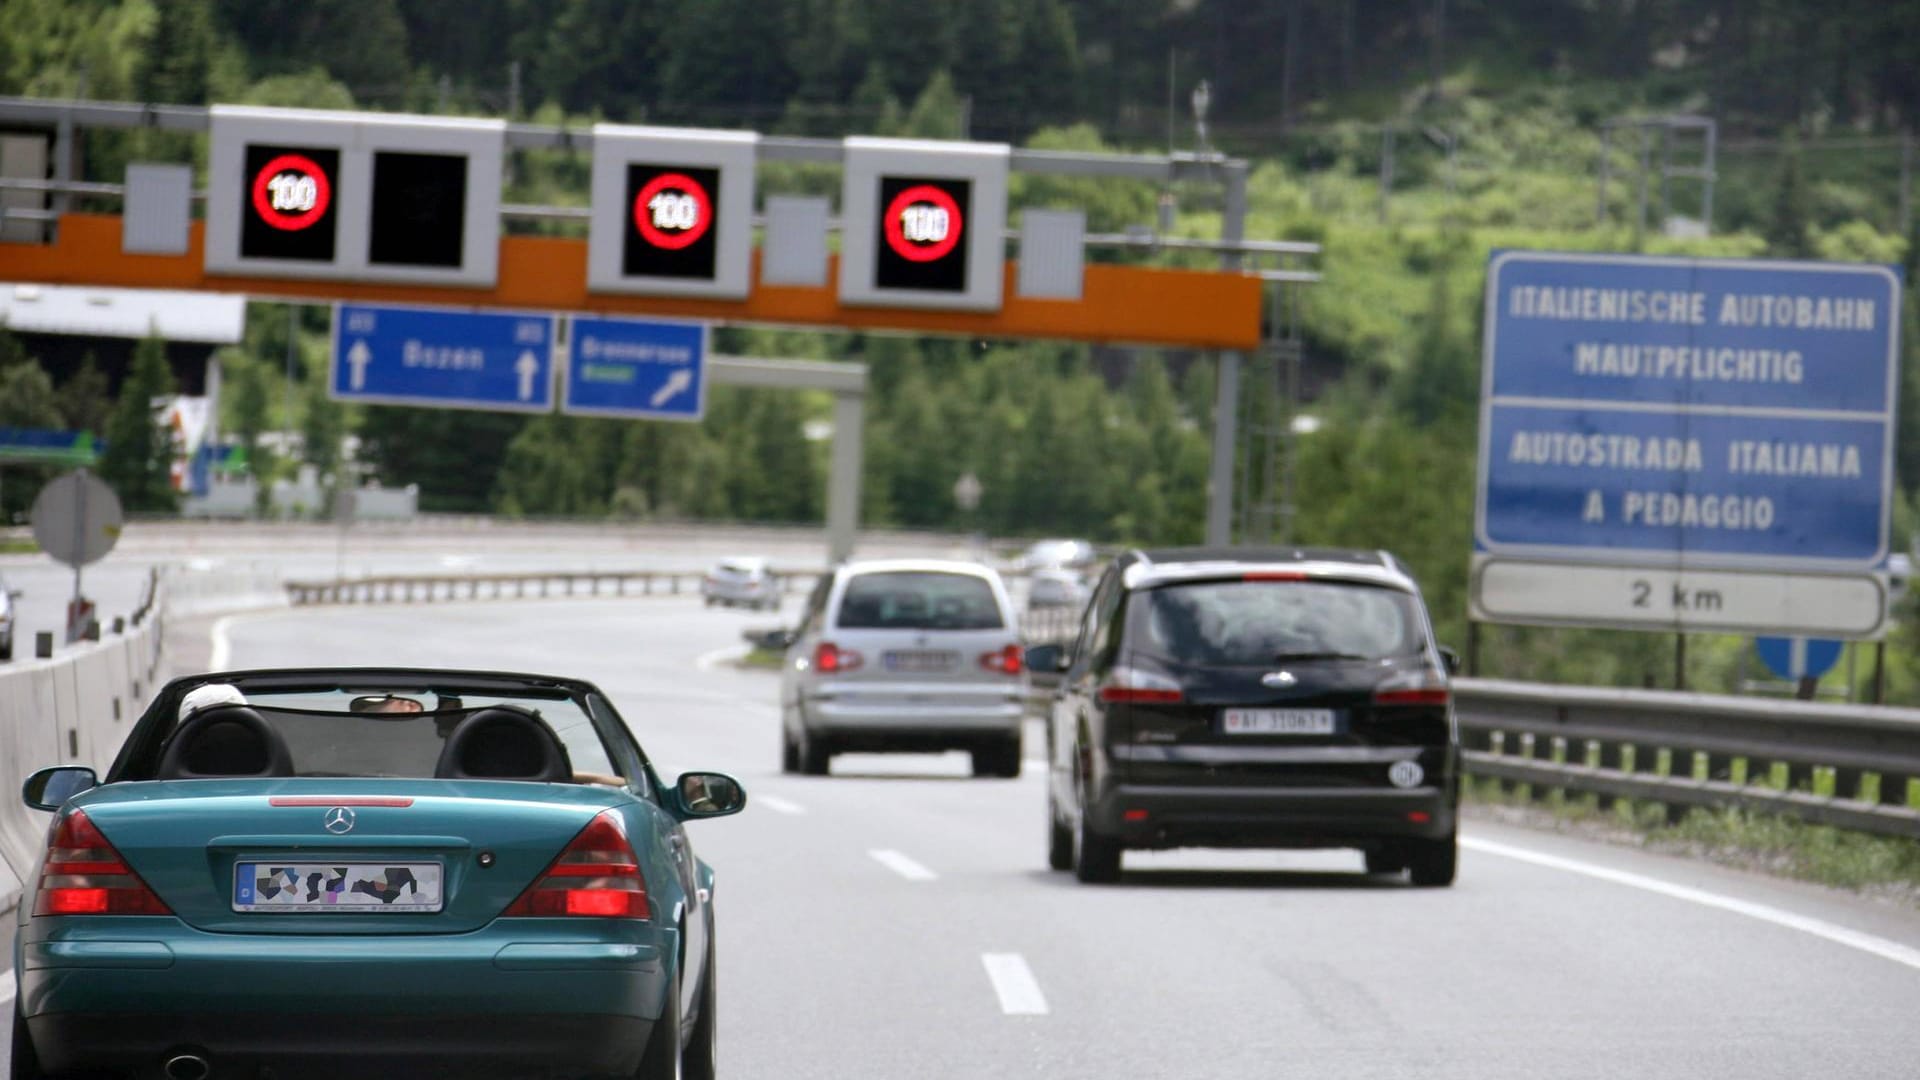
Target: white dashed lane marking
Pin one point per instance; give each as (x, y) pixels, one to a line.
(1013, 981)
(902, 865)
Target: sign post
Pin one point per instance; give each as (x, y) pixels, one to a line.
(1686, 444)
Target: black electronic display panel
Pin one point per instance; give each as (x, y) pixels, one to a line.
(290, 208)
(922, 234)
(670, 229)
(419, 209)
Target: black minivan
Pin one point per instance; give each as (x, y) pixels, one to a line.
(1290, 698)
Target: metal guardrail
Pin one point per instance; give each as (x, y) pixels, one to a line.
(429, 588)
(1851, 766)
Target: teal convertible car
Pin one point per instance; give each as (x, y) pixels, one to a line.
(357, 872)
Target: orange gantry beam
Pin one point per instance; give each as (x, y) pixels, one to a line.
(1138, 305)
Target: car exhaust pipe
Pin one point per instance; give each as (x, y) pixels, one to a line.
(187, 1067)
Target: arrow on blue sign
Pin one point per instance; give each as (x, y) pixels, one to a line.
(636, 368)
(445, 359)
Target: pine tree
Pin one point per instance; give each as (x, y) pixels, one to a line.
(138, 460)
(85, 399)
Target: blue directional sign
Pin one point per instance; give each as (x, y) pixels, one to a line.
(1687, 412)
(1798, 657)
(636, 368)
(442, 358)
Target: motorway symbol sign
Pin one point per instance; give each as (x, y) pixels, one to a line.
(1644, 417)
(77, 519)
(1798, 657)
(636, 368)
(442, 358)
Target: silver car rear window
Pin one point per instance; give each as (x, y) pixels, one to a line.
(919, 600)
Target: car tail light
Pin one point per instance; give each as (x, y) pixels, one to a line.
(1413, 688)
(1008, 661)
(597, 875)
(84, 875)
(831, 659)
(1132, 686)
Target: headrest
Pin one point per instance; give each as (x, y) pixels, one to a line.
(504, 744)
(224, 741)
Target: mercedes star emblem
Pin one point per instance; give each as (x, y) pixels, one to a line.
(339, 820)
(1277, 679)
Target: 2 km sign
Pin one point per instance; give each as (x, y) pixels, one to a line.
(1691, 444)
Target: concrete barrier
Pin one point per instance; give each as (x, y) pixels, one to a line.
(73, 710)
(77, 708)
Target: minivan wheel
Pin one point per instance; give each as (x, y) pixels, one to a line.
(1059, 839)
(1434, 862)
(789, 754)
(1096, 858)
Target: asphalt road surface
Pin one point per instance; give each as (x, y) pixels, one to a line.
(897, 919)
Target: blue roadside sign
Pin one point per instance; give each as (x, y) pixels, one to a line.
(636, 368)
(1647, 411)
(1798, 657)
(442, 358)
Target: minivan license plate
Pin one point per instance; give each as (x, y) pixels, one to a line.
(337, 888)
(1277, 721)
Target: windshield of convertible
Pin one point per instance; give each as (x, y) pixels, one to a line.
(380, 732)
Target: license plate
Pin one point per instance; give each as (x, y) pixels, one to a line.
(918, 661)
(1277, 721)
(323, 888)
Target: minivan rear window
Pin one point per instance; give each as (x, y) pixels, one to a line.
(918, 600)
(1236, 623)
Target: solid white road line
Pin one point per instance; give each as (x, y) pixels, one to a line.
(222, 644)
(707, 661)
(902, 865)
(1013, 980)
(779, 805)
(1839, 935)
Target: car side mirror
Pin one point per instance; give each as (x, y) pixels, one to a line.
(49, 789)
(1047, 659)
(708, 794)
(1451, 659)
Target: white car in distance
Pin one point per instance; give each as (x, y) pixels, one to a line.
(746, 581)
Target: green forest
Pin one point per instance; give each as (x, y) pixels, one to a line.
(1486, 120)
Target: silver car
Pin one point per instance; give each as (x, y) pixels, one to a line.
(905, 655)
(746, 581)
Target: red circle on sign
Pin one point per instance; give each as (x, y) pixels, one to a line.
(263, 200)
(914, 250)
(678, 238)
